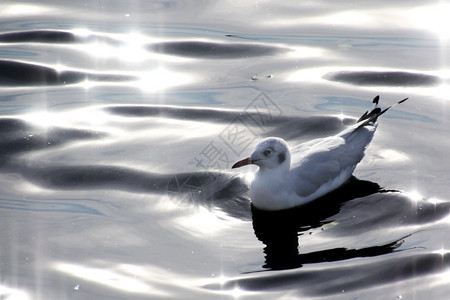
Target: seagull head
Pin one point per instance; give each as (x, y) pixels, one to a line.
(271, 153)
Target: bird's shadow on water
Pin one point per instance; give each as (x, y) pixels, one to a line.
(280, 230)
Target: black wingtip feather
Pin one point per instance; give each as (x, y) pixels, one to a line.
(376, 99)
(364, 116)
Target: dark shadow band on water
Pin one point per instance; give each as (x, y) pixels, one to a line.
(334, 280)
(38, 36)
(20, 74)
(214, 50)
(285, 126)
(384, 78)
(18, 136)
(221, 190)
(50, 36)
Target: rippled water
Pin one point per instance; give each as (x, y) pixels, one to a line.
(120, 121)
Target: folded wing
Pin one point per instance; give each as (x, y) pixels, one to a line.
(324, 164)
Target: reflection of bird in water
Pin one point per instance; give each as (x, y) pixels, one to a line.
(317, 167)
(279, 230)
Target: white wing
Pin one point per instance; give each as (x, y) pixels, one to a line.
(329, 161)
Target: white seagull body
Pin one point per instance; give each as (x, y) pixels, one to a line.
(288, 178)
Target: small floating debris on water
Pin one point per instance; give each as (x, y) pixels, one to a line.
(257, 77)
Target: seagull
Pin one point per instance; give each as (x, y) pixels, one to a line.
(289, 178)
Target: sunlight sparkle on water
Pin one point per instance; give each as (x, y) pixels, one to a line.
(348, 18)
(414, 195)
(24, 9)
(308, 75)
(194, 223)
(82, 32)
(342, 116)
(161, 78)
(446, 276)
(117, 279)
(222, 279)
(442, 251)
(129, 49)
(305, 52)
(436, 200)
(442, 91)
(81, 118)
(8, 293)
(432, 18)
(393, 156)
(133, 50)
(341, 18)
(237, 292)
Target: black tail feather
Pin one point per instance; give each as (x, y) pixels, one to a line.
(372, 116)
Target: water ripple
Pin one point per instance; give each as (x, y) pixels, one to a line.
(14, 73)
(384, 78)
(212, 50)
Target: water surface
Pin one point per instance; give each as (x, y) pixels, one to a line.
(120, 122)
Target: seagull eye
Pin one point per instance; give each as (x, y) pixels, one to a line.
(267, 152)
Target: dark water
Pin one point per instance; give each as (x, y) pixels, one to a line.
(120, 121)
